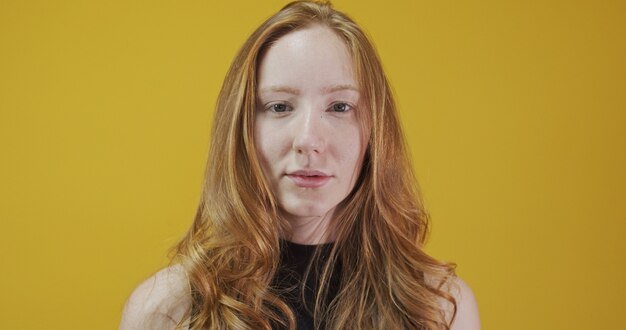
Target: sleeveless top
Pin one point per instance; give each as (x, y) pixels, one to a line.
(287, 283)
(295, 259)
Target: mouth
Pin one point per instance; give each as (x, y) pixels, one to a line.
(309, 178)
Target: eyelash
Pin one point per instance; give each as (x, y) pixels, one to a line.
(287, 107)
(271, 107)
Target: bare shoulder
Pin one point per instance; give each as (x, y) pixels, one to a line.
(467, 308)
(160, 302)
(467, 317)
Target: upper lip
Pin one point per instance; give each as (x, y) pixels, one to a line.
(307, 173)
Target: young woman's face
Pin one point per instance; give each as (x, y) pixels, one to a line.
(309, 141)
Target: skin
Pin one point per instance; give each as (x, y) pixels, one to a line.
(309, 140)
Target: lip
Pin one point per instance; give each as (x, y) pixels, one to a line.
(309, 178)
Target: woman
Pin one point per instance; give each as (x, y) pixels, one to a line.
(310, 217)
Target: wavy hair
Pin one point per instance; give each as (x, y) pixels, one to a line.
(232, 251)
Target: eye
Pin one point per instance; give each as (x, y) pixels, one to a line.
(279, 107)
(340, 107)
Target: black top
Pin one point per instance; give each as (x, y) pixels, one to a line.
(295, 259)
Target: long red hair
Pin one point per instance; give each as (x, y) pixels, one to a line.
(232, 250)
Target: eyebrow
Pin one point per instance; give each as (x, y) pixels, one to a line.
(280, 89)
(295, 91)
(336, 88)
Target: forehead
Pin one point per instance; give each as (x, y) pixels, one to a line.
(314, 57)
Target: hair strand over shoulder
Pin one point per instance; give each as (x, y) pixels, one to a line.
(232, 250)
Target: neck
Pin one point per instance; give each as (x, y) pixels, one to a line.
(311, 230)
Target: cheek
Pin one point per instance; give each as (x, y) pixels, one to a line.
(260, 144)
(355, 163)
(268, 145)
(351, 145)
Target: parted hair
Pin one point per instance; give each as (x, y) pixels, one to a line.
(232, 251)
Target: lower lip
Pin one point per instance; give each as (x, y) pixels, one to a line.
(309, 181)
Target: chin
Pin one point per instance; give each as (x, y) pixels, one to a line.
(305, 210)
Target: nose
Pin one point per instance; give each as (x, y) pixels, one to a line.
(309, 132)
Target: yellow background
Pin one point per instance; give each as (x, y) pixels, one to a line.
(515, 113)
